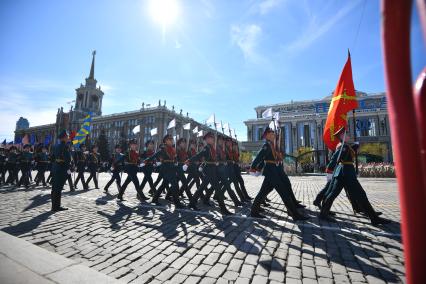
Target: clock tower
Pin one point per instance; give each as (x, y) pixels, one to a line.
(89, 96)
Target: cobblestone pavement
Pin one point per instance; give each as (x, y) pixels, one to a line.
(156, 244)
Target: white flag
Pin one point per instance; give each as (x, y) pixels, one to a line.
(276, 116)
(267, 113)
(172, 123)
(136, 129)
(187, 126)
(200, 133)
(272, 125)
(219, 125)
(153, 131)
(211, 119)
(195, 130)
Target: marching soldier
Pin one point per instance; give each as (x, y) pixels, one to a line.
(237, 170)
(341, 166)
(131, 166)
(269, 159)
(42, 161)
(25, 161)
(2, 165)
(81, 163)
(72, 166)
(117, 162)
(11, 166)
(182, 156)
(148, 169)
(209, 157)
(193, 172)
(223, 171)
(93, 161)
(231, 169)
(167, 158)
(60, 170)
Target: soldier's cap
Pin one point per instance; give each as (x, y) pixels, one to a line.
(267, 130)
(339, 131)
(181, 140)
(208, 135)
(133, 141)
(63, 133)
(167, 137)
(148, 142)
(27, 146)
(118, 146)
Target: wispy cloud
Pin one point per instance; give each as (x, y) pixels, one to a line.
(266, 6)
(247, 37)
(317, 28)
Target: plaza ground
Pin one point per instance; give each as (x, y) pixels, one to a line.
(142, 243)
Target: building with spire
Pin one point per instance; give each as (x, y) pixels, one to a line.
(116, 127)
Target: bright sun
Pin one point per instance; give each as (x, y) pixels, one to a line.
(164, 12)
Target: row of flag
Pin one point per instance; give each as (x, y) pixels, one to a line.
(28, 139)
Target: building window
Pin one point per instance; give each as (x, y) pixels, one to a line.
(366, 127)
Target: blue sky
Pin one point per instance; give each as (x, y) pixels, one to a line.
(225, 57)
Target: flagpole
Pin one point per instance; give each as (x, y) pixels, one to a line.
(356, 152)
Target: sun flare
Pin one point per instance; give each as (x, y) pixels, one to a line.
(164, 12)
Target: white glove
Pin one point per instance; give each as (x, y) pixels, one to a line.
(7, 159)
(142, 165)
(85, 168)
(329, 177)
(69, 172)
(158, 164)
(185, 167)
(86, 152)
(111, 169)
(255, 174)
(200, 169)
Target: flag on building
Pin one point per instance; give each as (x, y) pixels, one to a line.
(267, 113)
(211, 120)
(84, 131)
(136, 129)
(342, 101)
(172, 123)
(187, 126)
(25, 140)
(153, 131)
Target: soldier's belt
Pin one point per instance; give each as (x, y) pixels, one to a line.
(59, 161)
(272, 162)
(130, 163)
(212, 163)
(347, 163)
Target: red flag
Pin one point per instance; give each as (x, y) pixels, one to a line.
(72, 135)
(342, 101)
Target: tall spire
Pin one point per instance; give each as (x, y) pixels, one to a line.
(92, 68)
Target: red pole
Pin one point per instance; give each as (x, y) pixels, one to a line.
(396, 16)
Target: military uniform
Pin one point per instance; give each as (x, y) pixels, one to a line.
(60, 169)
(25, 160)
(167, 156)
(344, 175)
(117, 162)
(131, 165)
(237, 171)
(209, 176)
(80, 159)
(193, 173)
(93, 161)
(2, 166)
(182, 156)
(12, 166)
(269, 159)
(42, 160)
(147, 170)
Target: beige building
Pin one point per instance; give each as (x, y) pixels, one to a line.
(302, 124)
(117, 127)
